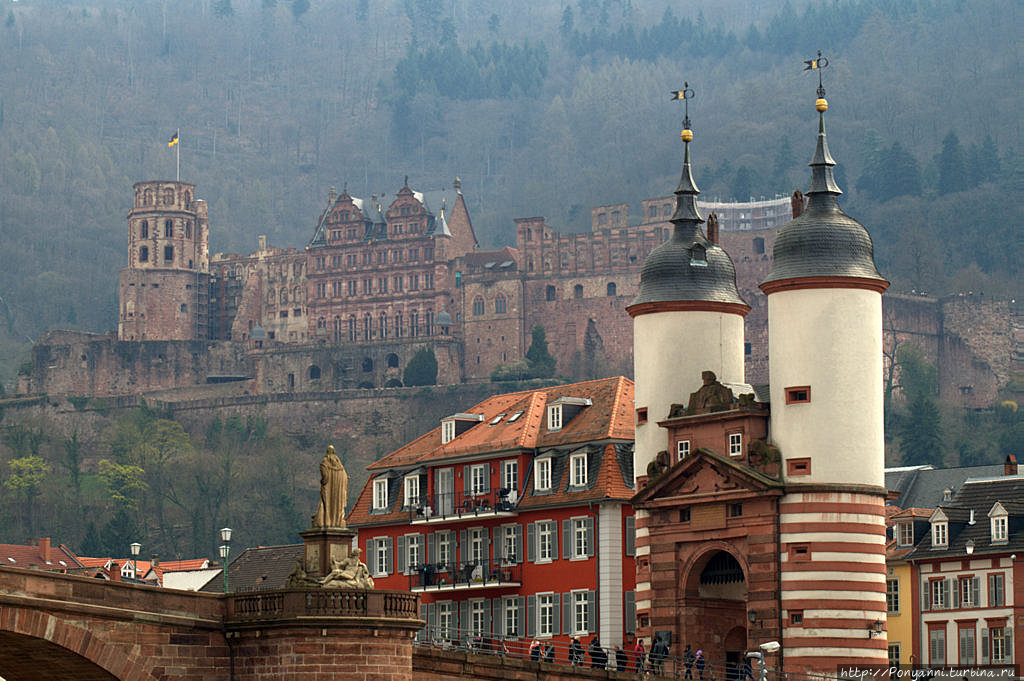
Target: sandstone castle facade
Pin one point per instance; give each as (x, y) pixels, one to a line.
(381, 278)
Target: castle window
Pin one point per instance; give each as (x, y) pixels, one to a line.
(383, 325)
(641, 416)
(428, 254)
(188, 229)
(352, 328)
(397, 284)
(610, 289)
(367, 327)
(414, 254)
(321, 323)
(798, 466)
(735, 444)
(399, 329)
(314, 372)
(549, 293)
(500, 304)
(183, 308)
(798, 395)
(796, 616)
(602, 219)
(321, 289)
(652, 211)
(478, 306)
(746, 349)
(565, 260)
(577, 291)
(144, 230)
(800, 551)
(414, 282)
(735, 510)
(616, 218)
(144, 254)
(698, 256)
(414, 323)
(666, 209)
(367, 363)
(168, 228)
(759, 246)
(683, 449)
(168, 253)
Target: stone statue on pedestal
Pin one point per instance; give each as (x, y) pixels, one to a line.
(333, 492)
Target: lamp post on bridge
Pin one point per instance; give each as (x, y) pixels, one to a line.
(225, 551)
(135, 547)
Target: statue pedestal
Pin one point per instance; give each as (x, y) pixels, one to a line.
(324, 544)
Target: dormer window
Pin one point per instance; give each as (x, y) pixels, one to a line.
(564, 409)
(998, 519)
(412, 491)
(578, 470)
(940, 534)
(698, 256)
(542, 475)
(555, 417)
(447, 431)
(905, 534)
(456, 424)
(380, 494)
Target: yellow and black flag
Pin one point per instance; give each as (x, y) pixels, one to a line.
(173, 140)
(819, 63)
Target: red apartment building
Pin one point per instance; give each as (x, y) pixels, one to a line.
(512, 519)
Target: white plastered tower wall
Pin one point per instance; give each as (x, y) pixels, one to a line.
(670, 351)
(825, 365)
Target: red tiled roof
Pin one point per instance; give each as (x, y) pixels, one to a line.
(17, 555)
(93, 562)
(609, 417)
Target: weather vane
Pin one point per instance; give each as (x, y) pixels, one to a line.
(686, 94)
(817, 64)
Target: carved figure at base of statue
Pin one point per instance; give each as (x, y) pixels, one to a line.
(712, 396)
(348, 573)
(299, 579)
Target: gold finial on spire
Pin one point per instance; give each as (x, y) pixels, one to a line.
(821, 104)
(686, 94)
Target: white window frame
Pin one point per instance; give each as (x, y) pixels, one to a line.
(578, 470)
(445, 619)
(580, 607)
(510, 477)
(546, 615)
(508, 545)
(554, 418)
(380, 559)
(999, 525)
(447, 431)
(579, 539)
(894, 654)
(937, 593)
(511, 616)
(966, 587)
(477, 552)
(411, 490)
(476, 617)
(940, 534)
(545, 546)
(380, 494)
(892, 596)
(542, 475)
(735, 444)
(413, 553)
(478, 474)
(905, 534)
(444, 548)
(997, 645)
(683, 449)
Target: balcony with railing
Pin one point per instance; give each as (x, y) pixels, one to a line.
(455, 506)
(480, 574)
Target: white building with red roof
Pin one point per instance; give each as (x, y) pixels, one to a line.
(512, 519)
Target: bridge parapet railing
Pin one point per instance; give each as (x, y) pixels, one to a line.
(322, 603)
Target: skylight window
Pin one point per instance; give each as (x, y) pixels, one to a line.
(514, 417)
(497, 419)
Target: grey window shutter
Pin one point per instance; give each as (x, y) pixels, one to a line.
(487, 616)
(432, 547)
(566, 614)
(370, 557)
(630, 613)
(1008, 643)
(531, 615)
(389, 558)
(630, 535)
(496, 545)
(984, 646)
(467, 478)
(554, 540)
(590, 537)
(487, 541)
(464, 544)
(531, 542)
(976, 591)
(955, 584)
(464, 611)
(521, 612)
(400, 555)
(498, 613)
(517, 543)
(591, 611)
(926, 591)
(945, 592)
(432, 619)
(566, 538)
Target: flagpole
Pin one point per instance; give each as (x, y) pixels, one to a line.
(177, 164)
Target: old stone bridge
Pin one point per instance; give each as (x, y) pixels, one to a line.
(56, 626)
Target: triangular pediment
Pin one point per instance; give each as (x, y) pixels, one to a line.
(705, 473)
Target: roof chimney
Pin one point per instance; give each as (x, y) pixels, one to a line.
(44, 548)
(712, 225)
(1010, 465)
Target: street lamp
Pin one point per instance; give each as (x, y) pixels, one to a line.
(135, 547)
(225, 551)
(769, 647)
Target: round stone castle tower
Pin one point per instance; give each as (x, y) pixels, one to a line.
(164, 290)
(687, 318)
(825, 364)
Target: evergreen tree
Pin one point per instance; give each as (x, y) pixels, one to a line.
(921, 436)
(421, 369)
(950, 163)
(542, 364)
